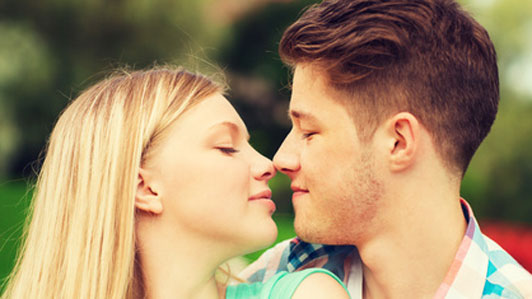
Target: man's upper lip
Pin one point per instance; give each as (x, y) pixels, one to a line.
(298, 189)
(263, 194)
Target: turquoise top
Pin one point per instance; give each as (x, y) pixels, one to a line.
(281, 286)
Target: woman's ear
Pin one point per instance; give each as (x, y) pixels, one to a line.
(147, 198)
(404, 132)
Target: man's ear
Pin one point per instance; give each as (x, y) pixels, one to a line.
(403, 130)
(147, 198)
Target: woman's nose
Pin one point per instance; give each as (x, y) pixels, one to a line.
(263, 169)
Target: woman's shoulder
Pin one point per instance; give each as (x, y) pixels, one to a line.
(319, 283)
(308, 283)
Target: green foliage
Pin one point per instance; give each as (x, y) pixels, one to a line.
(23, 59)
(498, 182)
(14, 202)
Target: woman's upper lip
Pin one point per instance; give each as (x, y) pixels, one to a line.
(263, 194)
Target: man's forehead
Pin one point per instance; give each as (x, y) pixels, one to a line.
(310, 82)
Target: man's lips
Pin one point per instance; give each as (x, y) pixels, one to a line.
(298, 191)
(266, 194)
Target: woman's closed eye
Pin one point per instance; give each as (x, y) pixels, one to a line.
(227, 150)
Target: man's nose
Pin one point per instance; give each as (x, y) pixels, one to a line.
(286, 160)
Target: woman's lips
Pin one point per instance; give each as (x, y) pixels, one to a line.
(264, 197)
(266, 194)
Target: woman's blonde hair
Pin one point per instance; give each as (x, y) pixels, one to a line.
(80, 242)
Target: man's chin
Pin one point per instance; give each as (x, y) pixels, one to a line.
(311, 234)
(319, 234)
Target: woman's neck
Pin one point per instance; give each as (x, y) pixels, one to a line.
(178, 267)
(177, 278)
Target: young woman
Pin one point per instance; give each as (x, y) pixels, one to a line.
(148, 185)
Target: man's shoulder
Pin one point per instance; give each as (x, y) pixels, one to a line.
(505, 278)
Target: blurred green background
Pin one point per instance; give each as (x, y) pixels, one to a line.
(50, 50)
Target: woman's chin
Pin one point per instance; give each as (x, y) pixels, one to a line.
(261, 239)
(270, 235)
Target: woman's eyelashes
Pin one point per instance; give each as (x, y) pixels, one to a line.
(228, 150)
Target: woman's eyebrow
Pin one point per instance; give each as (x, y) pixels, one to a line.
(234, 128)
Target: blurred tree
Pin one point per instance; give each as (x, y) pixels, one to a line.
(26, 68)
(51, 49)
(498, 182)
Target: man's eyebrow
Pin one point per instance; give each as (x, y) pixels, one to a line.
(300, 115)
(233, 127)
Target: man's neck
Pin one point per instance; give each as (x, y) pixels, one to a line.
(411, 256)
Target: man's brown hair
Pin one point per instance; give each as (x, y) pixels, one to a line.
(427, 57)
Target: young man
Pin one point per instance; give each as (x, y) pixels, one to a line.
(390, 101)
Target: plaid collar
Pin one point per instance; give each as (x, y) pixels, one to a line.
(303, 253)
(467, 275)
